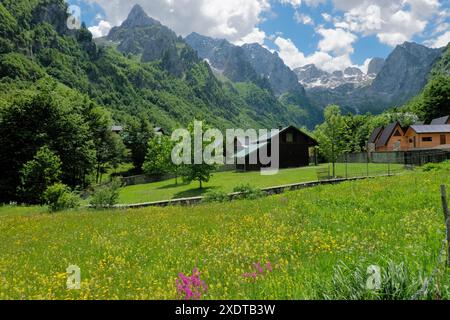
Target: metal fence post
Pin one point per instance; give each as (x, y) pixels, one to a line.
(447, 220)
(367, 164)
(346, 166)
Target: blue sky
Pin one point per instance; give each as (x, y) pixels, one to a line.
(305, 37)
(333, 34)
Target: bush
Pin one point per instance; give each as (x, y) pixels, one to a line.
(59, 197)
(248, 192)
(431, 167)
(43, 171)
(107, 195)
(216, 196)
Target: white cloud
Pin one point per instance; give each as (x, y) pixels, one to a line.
(294, 58)
(392, 39)
(303, 19)
(392, 21)
(314, 3)
(441, 41)
(257, 36)
(337, 41)
(365, 67)
(100, 30)
(326, 17)
(233, 20)
(294, 3)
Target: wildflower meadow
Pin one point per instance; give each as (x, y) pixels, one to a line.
(305, 244)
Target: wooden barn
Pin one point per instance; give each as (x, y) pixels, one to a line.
(294, 149)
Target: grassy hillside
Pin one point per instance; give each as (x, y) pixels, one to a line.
(304, 235)
(227, 181)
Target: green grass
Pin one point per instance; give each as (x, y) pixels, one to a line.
(137, 254)
(226, 181)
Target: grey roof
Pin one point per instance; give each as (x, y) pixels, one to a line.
(387, 134)
(269, 136)
(440, 121)
(375, 134)
(432, 128)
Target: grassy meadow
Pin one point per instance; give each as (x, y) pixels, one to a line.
(138, 254)
(226, 181)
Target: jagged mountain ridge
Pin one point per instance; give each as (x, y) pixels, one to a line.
(220, 54)
(401, 77)
(312, 77)
(225, 59)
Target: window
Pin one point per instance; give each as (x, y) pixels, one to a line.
(397, 134)
(427, 139)
(289, 138)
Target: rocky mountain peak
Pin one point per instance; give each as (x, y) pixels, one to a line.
(139, 18)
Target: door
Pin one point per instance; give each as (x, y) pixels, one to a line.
(443, 139)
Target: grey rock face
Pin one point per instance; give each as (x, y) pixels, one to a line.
(224, 58)
(405, 73)
(270, 66)
(251, 62)
(375, 66)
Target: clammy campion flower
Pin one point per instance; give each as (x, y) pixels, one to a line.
(191, 287)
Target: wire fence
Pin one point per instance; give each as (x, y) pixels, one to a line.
(380, 163)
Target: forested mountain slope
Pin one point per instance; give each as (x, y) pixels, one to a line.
(132, 79)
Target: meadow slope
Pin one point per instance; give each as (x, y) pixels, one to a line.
(138, 254)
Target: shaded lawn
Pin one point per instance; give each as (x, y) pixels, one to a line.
(227, 181)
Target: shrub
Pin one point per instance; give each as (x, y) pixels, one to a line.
(59, 197)
(38, 174)
(107, 195)
(431, 167)
(248, 192)
(216, 196)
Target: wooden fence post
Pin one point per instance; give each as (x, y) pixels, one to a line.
(447, 220)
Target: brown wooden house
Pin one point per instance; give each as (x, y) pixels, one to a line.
(390, 138)
(428, 136)
(294, 149)
(416, 137)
